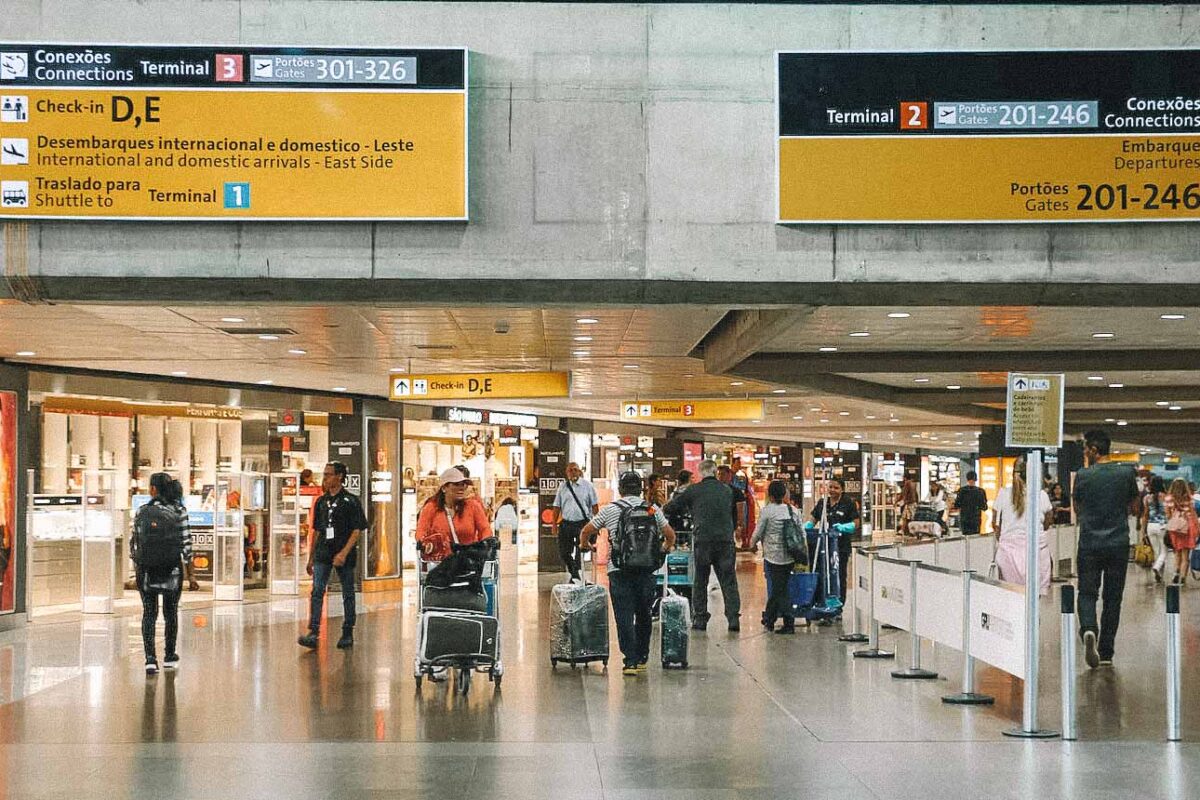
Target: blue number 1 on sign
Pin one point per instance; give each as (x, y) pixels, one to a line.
(237, 195)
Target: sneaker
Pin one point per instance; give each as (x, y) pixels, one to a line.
(1106, 662)
(347, 640)
(699, 626)
(308, 640)
(151, 666)
(642, 666)
(171, 661)
(1090, 654)
(630, 669)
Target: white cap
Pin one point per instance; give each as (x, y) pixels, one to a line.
(451, 475)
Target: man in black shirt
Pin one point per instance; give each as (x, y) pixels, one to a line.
(970, 502)
(337, 523)
(841, 509)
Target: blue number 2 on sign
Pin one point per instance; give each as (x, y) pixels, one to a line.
(237, 195)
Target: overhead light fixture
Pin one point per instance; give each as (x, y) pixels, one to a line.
(581, 353)
(585, 393)
(232, 320)
(815, 408)
(26, 353)
(1116, 386)
(268, 337)
(1095, 377)
(265, 383)
(1121, 423)
(583, 338)
(339, 388)
(824, 420)
(1162, 403)
(688, 375)
(870, 416)
(899, 315)
(798, 416)
(179, 373)
(1175, 408)
(826, 349)
(920, 380)
(779, 391)
(860, 334)
(1103, 335)
(953, 386)
(1110, 419)
(632, 366)
(587, 321)
(784, 405)
(843, 413)
(296, 351)
(1172, 316)
(737, 383)
(397, 369)
(858, 436)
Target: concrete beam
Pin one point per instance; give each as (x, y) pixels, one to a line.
(741, 334)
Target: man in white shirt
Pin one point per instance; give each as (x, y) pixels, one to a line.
(575, 504)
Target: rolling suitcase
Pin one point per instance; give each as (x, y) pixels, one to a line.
(447, 634)
(675, 619)
(578, 623)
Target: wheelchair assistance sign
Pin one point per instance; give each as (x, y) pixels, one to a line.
(220, 133)
(1035, 410)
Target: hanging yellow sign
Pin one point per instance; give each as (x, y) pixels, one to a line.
(655, 410)
(481, 385)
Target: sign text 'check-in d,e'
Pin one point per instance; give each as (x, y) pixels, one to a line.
(480, 385)
(1035, 410)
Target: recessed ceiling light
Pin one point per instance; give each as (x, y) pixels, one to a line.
(757, 421)
(815, 408)
(397, 369)
(779, 391)
(1175, 408)
(587, 321)
(583, 338)
(953, 386)
(824, 420)
(1116, 386)
(1121, 423)
(234, 320)
(858, 436)
(1172, 316)
(688, 375)
(1162, 403)
(920, 380)
(798, 416)
(179, 373)
(265, 383)
(1110, 419)
(585, 393)
(632, 366)
(26, 353)
(268, 337)
(1103, 335)
(843, 413)
(1095, 377)
(860, 334)
(296, 351)
(899, 315)
(784, 405)
(826, 349)
(581, 353)
(870, 416)
(737, 383)
(339, 388)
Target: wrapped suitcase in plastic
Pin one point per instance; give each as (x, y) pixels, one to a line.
(447, 635)
(675, 618)
(578, 624)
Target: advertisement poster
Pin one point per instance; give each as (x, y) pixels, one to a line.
(8, 501)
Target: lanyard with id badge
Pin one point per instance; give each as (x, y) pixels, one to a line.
(330, 508)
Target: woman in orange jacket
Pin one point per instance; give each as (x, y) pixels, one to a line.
(436, 532)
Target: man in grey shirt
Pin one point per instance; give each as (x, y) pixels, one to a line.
(710, 503)
(575, 504)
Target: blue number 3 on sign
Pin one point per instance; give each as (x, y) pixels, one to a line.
(237, 195)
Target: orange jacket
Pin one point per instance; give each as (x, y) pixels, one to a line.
(432, 526)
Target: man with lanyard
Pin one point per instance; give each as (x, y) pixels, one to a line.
(971, 502)
(574, 505)
(337, 523)
(841, 509)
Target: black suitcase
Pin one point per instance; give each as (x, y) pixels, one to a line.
(446, 635)
(453, 598)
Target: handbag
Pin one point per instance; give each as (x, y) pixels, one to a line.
(1143, 554)
(794, 540)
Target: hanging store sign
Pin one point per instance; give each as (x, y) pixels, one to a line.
(1040, 136)
(1035, 410)
(481, 386)
(653, 410)
(219, 133)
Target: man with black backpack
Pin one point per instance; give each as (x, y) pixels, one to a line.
(640, 537)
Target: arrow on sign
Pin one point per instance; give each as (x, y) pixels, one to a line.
(402, 386)
(631, 410)
(1020, 384)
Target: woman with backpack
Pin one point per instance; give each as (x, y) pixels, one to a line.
(161, 548)
(777, 560)
(1182, 527)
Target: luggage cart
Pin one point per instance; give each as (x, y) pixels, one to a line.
(463, 664)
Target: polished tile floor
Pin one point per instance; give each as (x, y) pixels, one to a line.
(250, 715)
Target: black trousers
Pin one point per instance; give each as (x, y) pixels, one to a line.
(170, 610)
(777, 601)
(1102, 574)
(568, 545)
(722, 557)
(632, 595)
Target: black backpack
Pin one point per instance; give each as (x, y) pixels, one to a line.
(159, 538)
(637, 543)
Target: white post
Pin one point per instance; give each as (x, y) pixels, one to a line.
(968, 696)
(872, 650)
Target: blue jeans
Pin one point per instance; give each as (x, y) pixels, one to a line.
(632, 597)
(321, 573)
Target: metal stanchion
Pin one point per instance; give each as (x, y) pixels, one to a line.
(1029, 715)
(968, 696)
(857, 637)
(1174, 656)
(1068, 663)
(914, 672)
(1056, 563)
(872, 650)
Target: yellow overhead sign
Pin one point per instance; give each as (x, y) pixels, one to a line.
(481, 385)
(1035, 410)
(654, 410)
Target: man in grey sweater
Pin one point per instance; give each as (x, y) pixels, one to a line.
(709, 503)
